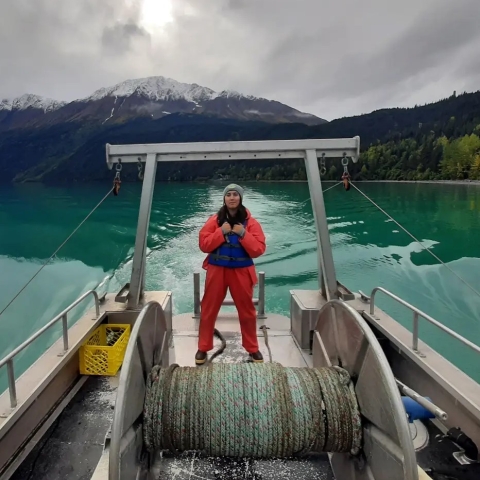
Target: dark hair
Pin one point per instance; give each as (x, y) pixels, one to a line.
(224, 215)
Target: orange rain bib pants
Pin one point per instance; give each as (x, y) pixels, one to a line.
(240, 281)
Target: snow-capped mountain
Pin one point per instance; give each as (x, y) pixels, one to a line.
(31, 101)
(26, 110)
(164, 89)
(151, 97)
(156, 88)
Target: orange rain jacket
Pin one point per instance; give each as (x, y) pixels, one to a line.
(211, 237)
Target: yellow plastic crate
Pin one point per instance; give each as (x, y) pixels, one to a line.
(103, 351)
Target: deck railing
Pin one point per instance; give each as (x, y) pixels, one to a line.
(259, 302)
(416, 315)
(63, 316)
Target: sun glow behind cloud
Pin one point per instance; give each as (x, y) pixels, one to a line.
(156, 14)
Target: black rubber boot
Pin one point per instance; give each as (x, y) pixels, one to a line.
(256, 357)
(200, 357)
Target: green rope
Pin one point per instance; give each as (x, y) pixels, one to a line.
(251, 410)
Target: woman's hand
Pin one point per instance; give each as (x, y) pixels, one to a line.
(226, 228)
(238, 229)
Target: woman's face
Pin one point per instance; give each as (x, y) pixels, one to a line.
(232, 199)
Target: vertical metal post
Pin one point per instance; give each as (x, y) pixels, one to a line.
(143, 274)
(415, 332)
(196, 295)
(11, 384)
(326, 268)
(65, 332)
(97, 303)
(261, 295)
(138, 271)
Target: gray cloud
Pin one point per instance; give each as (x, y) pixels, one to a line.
(328, 58)
(120, 38)
(432, 42)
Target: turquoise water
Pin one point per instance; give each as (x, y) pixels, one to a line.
(369, 250)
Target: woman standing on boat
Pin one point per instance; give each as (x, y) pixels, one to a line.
(232, 238)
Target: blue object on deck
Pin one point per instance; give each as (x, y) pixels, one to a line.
(415, 411)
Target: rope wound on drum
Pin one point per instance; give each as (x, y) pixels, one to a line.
(251, 410)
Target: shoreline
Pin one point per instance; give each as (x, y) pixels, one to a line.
(443, 182)
(232, 180)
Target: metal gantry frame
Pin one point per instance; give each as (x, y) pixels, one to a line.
(308, 150)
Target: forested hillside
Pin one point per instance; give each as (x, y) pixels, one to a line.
(435, 141)
(439, 141)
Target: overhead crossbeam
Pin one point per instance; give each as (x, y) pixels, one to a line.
(257, 150)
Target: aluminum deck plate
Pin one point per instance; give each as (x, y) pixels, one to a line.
(190, 466)
(72, 446)
(283, 347)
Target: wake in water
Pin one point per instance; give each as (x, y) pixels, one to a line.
(175, 256)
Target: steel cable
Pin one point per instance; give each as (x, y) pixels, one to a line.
(323, 191)
(416, 240)
(55, 252)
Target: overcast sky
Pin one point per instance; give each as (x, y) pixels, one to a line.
(331, 58)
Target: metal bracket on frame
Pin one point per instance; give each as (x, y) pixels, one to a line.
(122, 295)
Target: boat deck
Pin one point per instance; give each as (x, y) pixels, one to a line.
(282, 344)
(74, 444)
(284, 349)
(191, 466)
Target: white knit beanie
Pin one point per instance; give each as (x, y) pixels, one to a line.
(234, 187)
